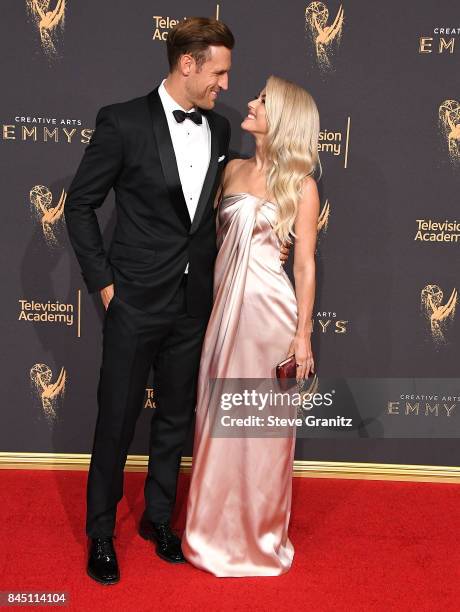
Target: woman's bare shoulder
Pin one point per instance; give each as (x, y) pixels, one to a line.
(235, 163)
(233, 167)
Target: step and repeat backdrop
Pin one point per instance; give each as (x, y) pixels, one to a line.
(386, 322)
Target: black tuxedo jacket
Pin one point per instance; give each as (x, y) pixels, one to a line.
(131, 150)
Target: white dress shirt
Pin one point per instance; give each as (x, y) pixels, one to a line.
(192, 148)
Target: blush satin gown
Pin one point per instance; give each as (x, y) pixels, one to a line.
(240, 493)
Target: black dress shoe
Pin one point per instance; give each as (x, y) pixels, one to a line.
(102, 561)
(167, 543)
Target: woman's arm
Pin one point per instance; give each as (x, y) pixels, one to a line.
(227, 173)
(304, 275)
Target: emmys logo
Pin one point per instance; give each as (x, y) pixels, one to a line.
(51, 217)
(449, 121)
(323, 219)
(325, 37)
(49, 393)
(47, 22)
(438, 314)
(444, 45)
(437, 231)
(45, 129)
(329, 323)
(423, 405)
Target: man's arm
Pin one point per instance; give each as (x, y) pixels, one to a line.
(96, 174)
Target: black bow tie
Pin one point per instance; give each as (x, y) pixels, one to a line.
(180, 116)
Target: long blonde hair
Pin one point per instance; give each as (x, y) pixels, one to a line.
(291, 148)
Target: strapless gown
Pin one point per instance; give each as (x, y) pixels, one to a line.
(240, 493)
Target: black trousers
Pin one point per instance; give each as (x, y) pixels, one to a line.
(133, 342)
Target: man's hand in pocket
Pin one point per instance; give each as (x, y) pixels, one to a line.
(107, 294)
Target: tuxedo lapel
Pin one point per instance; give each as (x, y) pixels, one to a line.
(210, 175)
(168, 158)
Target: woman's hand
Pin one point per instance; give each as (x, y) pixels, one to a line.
(284, 253)
(301, 348)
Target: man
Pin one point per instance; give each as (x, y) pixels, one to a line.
(163, 154)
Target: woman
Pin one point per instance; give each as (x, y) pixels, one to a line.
(240, 493)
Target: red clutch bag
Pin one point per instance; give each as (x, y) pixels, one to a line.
(286, 373)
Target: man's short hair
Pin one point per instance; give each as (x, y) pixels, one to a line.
(194, 36)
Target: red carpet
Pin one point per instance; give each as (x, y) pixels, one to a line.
(360, 545)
